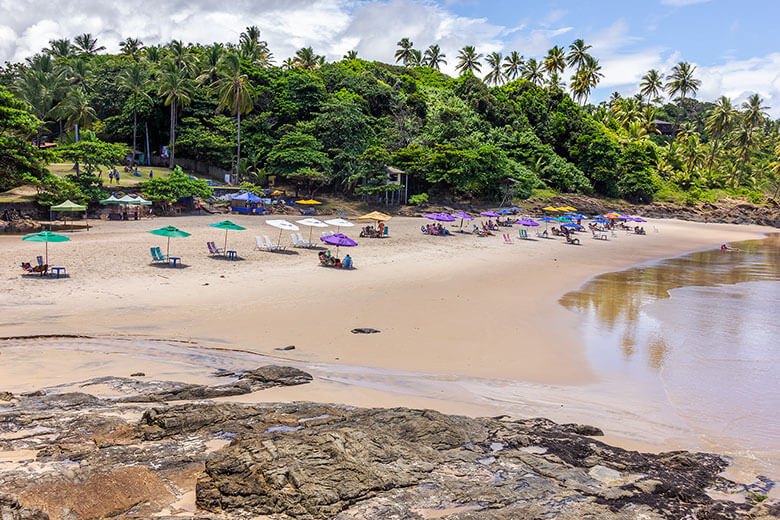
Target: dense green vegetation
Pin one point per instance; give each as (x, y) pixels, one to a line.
(337, 125)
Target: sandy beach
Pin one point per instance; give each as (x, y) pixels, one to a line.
(468, 325)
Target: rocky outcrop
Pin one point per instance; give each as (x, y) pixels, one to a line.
(76, 456)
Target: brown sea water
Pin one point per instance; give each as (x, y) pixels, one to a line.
(698, 334)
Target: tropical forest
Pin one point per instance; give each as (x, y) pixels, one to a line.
(508, 127)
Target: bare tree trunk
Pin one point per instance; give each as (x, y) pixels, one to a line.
(173, 135)
(135, 124)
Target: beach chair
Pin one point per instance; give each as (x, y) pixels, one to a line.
(157, 255)
(259, 244)
(572, 241)
(523, 234)
(598, 235)
(213, 249)
(507, 238)
(294, 240)
(386, 232)
(270, 246)
(304, 243)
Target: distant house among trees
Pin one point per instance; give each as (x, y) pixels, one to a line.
(664, 127)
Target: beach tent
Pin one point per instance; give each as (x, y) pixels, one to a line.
(339, 223)
(312, 223)
(227, 226)
(169, 232)
(308, 202)
(69, 207)
(282, 225)
(46, 237)
(110, 200)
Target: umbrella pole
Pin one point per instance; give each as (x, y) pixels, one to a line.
(280, 237)
(311, 230)
(168, 251)
(47, 253)
(224, 251)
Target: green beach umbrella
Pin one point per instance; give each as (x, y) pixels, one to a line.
(227, 225)
(563, 219)
(169, 232)
(46, 237)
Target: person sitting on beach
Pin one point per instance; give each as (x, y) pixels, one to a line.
(347, 263)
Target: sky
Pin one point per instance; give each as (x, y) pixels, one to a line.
(735, 45)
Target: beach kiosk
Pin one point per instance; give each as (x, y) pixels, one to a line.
(246, 203)
(68, 207)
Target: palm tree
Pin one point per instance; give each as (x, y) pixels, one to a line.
(719, 124)
(533, 72)
(78, 71)
(351, 55)
(578, 54)
(682, 82)
(38, 86)
(468, 60)
(289, 63)
(774, 170)
(76, 110)
(513, 65)
(745, 141)
(131, 47)
(250, 34)
(153, 54)
(652, 84)
(754, 111)
(234, 94)
(580, 89)
(177, 89)
(306, 59)
(252, 49)
(87, 44)
(60, 49)
(495, 75)
(135, 80)
(434, 58)
(555, 81)
(555, 61)
(691, 152)
(404, 51)
(209, 63)
(592, 71)
(415, 59)
(181, 57)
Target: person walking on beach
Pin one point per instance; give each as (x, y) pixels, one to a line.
(110, 176)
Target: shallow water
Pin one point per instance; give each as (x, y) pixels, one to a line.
(700, 334)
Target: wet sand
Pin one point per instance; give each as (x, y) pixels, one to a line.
(468, 325)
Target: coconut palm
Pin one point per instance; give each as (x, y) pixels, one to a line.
(691, 152)
(580, 89)
(681, 81)
(592, 71)
(38, 87)
(307, 59)
(77, 71)
(755, 111)
(415, 59)
(250, 34)
(495, 75)
(87, 44)
(404, 52)
(289, 64)
(153, 54)
(533, 72)
(652, 84)
(468, 60)
(351, 55)
(181, 56)
(131, 47)
(76, 110)
(745, 141)
(513, 65)
(135, 80)
(60, 49)
(234, 93)
(434, 58)
(555, 81)
(252, 49)
(719, 124)
(578, 54)
(555, 61)
(209, 64)
(177, 89)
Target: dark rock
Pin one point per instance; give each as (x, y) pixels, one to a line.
(583, 429)
(365, 331)
(138, 374)
(288, 347)
(36, 393)
(11, 509)
(6, 396)
(272, 375)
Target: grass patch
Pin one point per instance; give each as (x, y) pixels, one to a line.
(543, 193)
(125, 179)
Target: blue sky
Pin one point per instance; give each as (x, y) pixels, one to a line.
(734, 45)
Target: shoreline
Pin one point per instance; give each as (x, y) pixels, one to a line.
(548, 365)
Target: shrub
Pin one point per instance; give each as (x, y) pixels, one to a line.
(420, 198)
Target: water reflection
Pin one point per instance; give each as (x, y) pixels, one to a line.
(616, 302)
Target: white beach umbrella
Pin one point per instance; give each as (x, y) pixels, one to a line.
(339, 223)
(282, 225)
(312, 223)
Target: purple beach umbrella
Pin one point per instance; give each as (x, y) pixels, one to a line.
(490, 214)
(527, 222)
(338, 240)
(440, 217)
(638, 219)
(462, 216)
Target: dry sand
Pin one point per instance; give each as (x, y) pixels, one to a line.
(461, 317)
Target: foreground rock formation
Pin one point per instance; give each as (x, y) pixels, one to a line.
(73, 455)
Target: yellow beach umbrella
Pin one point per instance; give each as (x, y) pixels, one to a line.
(277, 192)
(550, 208)
(568, 208)
(563, 208)
(308, 201)
(375, 215)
